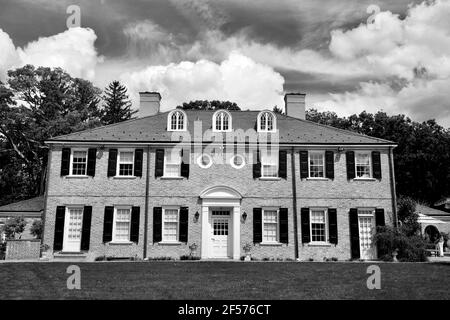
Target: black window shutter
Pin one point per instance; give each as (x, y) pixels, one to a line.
(303, 164)
(184, 217)
(86, 228)
(306, 236)
(379, 217)
(157, 224)
(256, 165)
(108, 224)
(282, 164)
(138, 159)
(65, 162)
(92, 158)
(185, 160)
(354, 233)
(134, 228)
(112, 162)
(329, 164)
(159, 163)
(332, 226)
(350, 156)
(257, 225)
(284, 234)
(376, 164)
(59, 228)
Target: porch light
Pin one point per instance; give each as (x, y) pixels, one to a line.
(196, 215)
(244, 216)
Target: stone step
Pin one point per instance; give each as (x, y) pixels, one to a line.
(69, 256)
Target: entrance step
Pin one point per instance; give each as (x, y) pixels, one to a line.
(70, 256)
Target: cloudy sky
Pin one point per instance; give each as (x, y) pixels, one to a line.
(347, 56)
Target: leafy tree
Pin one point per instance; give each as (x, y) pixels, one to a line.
(117, 104)
(277, 110)
(13, 227)
(209, 105)
(408, 216)
(35, 105)
(37, 228)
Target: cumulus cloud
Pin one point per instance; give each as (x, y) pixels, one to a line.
(238, 78)
(73, 50)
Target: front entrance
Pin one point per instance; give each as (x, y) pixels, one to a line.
(366, 232)
(220, 222)
(72, 229)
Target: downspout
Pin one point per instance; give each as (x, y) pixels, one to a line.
(392, 182)
(147, 182)
(47, 177)
(294, 202)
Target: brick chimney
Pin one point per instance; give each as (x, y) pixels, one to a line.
(295, 105)
(149, 103)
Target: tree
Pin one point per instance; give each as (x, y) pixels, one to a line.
(37, 228)
(13, 227)
(117, 104)
(277, 110)
(209, 105)
(51, 103)
(407, 215)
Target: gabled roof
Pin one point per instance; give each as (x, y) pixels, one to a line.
(154, 129)
(32, 207)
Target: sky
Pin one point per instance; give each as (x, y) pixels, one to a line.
(347, 56)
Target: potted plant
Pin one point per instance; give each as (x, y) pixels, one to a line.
(44, 251)
(193, 247)
(247, 248)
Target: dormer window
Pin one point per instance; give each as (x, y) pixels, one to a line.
(266, 122)
(222, 121)
(176, 121)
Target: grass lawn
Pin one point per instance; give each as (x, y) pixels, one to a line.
(224, 280)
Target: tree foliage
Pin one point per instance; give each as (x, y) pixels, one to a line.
(209, 105)
(117, 106)
(14, 227)
(37, 228)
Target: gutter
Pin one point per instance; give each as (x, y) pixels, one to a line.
(294, 202)
(392, 183)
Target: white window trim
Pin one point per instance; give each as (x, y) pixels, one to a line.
(71, 162)
(277, 209)
(327, 235)
(166, 162)
(118, 162)
(264, 177)
(230, 121)
(114, 240)
(370, 177)
(371, 214)
(169, 120)
(164, 208)
(322, 152)
(274, 124)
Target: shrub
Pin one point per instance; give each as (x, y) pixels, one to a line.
(189, 257)
(445, 236)
(410, 248)
(334, 259)
(14, 227)
(2, 250)
(36, 228)
(408, 216)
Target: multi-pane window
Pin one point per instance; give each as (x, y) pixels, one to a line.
(318, 226)
(172, 163)
(316, 164)
(362, 163)
(270, 225)
(266, 122)
(269, 164)
(177, 121)
(170, 224)
(222, 121)
(122, 224)
(79, 163)
(125, 163)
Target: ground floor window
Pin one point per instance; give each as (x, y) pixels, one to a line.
(270, 225)
(122, 219)
(318, 225)
(170, 224)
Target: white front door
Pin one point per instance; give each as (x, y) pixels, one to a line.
(366, 231)
(220, 222)
(72, 229)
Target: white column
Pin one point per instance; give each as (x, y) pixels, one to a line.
(236, 232)
(205, 233)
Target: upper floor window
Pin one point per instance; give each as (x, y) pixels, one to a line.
(363, 165)
(176, 121)
(79, 162)
(269, 164)
(222, 121)
(172, 163)
(266, 121)
(125, 163)
(316, 164)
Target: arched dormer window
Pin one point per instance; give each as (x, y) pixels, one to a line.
(222, 121)
(176, 121)
(267, 122)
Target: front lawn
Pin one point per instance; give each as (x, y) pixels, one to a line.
(224, 280)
